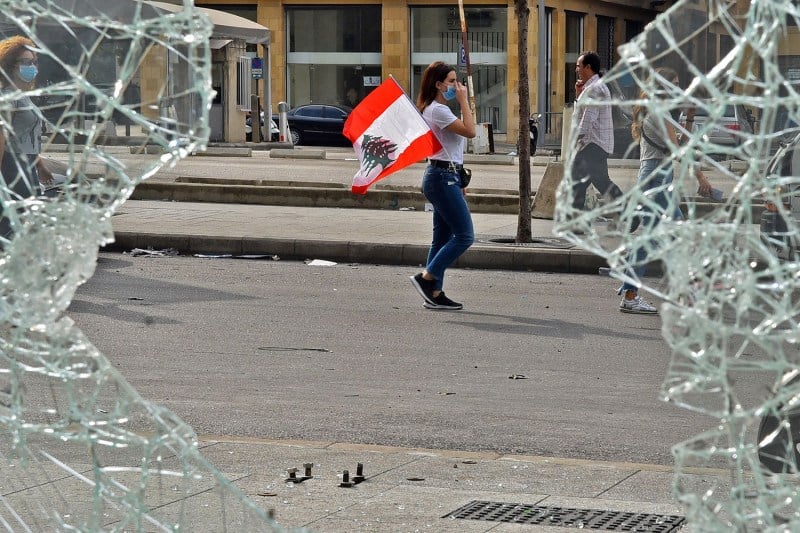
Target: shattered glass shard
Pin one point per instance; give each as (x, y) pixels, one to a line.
(689, 86)
(79, 448)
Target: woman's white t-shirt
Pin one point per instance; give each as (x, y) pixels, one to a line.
(439, 116)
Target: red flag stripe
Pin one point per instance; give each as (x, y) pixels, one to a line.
(385, 113)
(370, 107)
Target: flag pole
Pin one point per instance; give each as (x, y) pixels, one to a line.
(464, 45)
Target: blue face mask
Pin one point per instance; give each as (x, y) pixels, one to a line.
(27, 73)
(450, 93)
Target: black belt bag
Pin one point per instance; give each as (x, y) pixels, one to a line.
(464, 174)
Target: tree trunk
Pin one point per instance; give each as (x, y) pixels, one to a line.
(523, 143)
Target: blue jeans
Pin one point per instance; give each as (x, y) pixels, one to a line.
(20, 175)
(452, 223)
(655, 177)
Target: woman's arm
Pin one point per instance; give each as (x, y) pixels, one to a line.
(464, 126)
(45, 176)
(703, 185)
(688, 127)
(673, 135)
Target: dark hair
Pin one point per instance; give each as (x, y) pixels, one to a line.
(639, 111)
(436, 72)
(591, 60)
(10, 50)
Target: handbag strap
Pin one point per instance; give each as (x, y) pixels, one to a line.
(652, 142)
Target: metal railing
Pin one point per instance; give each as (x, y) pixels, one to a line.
(489, 114)
(479, 41)
(552, 124)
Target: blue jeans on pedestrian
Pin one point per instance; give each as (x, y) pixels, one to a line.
(453, 233)
(21, 177)
(655, 175)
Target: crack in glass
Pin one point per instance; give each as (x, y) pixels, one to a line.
(80, 449)
(729, 269)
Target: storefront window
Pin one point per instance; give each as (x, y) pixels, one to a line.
(605, 42)
(334, 53)
(573, 49)
(331, 84)
(436, 36)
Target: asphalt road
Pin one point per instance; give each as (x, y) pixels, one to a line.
(278, 349)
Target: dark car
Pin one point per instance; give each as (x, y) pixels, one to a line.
(317, 123)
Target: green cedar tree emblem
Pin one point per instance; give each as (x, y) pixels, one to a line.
(376, 151)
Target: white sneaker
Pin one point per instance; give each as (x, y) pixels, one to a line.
(637, 305)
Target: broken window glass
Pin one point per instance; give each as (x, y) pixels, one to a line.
(79, 448)
(723, 76)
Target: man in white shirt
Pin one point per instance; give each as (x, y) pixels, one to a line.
(595, 131)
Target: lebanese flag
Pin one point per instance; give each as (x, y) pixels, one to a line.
(388, 134)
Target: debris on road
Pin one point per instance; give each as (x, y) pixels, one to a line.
(149, 252)
(319, 262)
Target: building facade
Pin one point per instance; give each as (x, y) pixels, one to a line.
(337, 51)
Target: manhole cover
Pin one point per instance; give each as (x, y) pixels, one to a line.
(518, 513)
(538, 242)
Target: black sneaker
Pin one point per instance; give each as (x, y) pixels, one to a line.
(443, 302)
(424, 287)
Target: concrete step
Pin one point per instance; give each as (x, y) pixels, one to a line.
(320, 194)
(310, 196)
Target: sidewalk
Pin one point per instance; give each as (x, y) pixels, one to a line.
(335, 234)
(306, 224)
(399, 489)
(228, 205)
(227, 201)
(427, 490)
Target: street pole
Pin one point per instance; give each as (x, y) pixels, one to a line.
(541, 73)
(470, 91)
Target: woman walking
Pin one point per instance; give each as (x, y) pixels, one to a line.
(22, 169)
(656, 135)
(442, 183)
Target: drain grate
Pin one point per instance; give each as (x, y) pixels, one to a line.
(519, 513)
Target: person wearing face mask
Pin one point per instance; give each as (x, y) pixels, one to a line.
(22, 169)
(453, 233)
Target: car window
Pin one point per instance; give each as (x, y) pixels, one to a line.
(309, 111)
(334, 112)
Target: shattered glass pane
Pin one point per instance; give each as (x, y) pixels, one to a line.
(729, 269)
(79, 448)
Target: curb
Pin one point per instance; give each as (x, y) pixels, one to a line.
(479, 256)
(284, 153)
